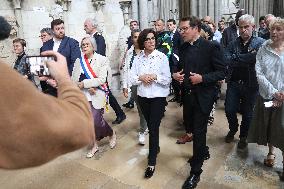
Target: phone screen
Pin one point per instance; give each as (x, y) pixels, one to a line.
(37, 65)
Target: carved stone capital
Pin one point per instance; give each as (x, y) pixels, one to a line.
(98, 4)
(64, 3)
(56, 12)
(125, 5)
(16, 3)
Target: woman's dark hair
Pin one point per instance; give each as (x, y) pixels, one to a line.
(143, 35)
(56, 22)
(21, 41)
(5, 28)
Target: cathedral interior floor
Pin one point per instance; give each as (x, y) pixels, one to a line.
(123, 167)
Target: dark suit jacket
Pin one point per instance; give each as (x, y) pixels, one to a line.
(101, 44)
(205, 58)
(228, 35)
(70, 49)
(177, 42)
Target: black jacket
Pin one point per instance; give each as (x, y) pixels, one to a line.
(228, 35)
(236, 59)
(205, 58)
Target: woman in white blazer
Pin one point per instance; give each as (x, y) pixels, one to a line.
(91, 74)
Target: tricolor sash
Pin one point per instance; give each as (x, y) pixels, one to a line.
(90, 74)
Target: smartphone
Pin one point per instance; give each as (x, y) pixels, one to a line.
(37, 65)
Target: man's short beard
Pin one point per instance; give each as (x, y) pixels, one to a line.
(59, 36)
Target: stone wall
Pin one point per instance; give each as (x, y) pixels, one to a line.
(29, 17)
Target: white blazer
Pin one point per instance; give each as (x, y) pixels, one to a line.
(101, 67)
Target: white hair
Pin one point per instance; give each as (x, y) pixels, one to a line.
(247, 18)
(93, 21)
(269, 15)
(92, 40)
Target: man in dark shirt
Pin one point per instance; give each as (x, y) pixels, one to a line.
(201, 65)
(242, 85)
(231, 32)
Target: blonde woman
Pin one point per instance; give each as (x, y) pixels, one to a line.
(268, 122)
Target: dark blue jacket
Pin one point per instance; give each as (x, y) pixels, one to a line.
(101, 44)
(69, 48)
(234, 58)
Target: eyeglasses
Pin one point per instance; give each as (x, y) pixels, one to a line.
(148, 39)
(183, 29)
(85, 45)
(43, 35)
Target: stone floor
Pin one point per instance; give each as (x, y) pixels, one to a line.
(123, 167)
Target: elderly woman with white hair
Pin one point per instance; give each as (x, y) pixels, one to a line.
(268, 123)
(91, 75)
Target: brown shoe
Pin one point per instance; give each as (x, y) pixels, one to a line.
(184, 139)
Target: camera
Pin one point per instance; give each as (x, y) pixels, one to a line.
(37, 65)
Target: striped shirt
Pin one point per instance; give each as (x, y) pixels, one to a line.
(269, 70)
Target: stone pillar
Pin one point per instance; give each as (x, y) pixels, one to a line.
(278, 8)
(66, 6)
(143, 14)
(217, 13)
(99, 4)
(134, 7)
(125, 5)
(193, 7)
(211, 9)
(18, 15)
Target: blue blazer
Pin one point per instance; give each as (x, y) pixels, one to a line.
(69, 48)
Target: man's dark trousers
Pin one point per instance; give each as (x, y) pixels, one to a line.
(195, 122)
(240, 96)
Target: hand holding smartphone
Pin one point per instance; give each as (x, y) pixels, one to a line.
(37, 65)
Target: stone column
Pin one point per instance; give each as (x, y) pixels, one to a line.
(125, 5)
(193, 7)
(143, 14)
(66, 6)
(99, 4)
(211, 9)
(18, 15)
(217, 12)
(134, 7)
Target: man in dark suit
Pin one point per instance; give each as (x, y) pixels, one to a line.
(177, 41)
(201, 65)
(90, 26)
(66, 46)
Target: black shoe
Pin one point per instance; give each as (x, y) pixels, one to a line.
(242, 144)
(230, 137)
(191, 182)
(128, 105)
(118, 120)
(282, 176)
(149, 172)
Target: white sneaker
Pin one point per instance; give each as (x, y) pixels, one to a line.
(141, 138)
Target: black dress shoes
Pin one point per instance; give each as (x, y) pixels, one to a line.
(128, 105)
(191, 182)
(120, 119)
(149, 172)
